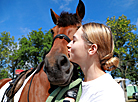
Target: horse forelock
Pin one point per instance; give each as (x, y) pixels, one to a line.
(67, 19)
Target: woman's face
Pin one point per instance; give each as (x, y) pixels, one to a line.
(77, 48)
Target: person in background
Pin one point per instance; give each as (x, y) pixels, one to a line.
(92, 49)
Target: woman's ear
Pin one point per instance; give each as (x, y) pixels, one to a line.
(93, 49)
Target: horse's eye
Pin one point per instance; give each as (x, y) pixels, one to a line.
(52, 32)
(78, 27)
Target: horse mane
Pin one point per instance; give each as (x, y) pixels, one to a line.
(67, 19)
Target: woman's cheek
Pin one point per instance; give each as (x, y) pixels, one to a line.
(72, 54)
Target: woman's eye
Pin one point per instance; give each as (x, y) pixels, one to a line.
(73, 41)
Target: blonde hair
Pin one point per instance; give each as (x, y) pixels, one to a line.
(95, 33)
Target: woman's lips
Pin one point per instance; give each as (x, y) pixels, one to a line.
(69, 53)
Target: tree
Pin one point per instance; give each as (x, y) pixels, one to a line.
(6, 45)
(126, 47)
(32, 49)
(4, 73)
(28, 53)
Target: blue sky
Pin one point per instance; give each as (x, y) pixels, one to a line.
(19, 17)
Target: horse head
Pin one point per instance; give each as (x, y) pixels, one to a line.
(57, 65)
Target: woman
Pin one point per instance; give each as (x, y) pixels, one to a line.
(92, 49)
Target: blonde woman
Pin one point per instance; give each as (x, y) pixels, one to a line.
(92, 49)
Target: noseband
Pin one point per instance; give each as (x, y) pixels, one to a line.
(61, 36)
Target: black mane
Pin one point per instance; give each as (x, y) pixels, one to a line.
(67, 19)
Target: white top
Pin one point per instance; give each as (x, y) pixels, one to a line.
(102, 89)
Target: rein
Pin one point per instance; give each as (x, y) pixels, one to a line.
(61, 36)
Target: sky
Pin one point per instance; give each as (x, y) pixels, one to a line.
(19, 17)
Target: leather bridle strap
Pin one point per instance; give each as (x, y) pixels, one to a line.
(61, 36)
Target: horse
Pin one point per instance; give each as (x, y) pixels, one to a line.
(55, 69)
(4, 81)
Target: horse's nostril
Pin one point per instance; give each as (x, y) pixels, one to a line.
(63, 62)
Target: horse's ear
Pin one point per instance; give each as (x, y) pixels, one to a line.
(54, 17)
(80, 11)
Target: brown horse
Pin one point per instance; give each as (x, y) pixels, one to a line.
(56, 68)
(4, 81)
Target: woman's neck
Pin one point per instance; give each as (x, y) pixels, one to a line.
(92, 70)
(92, 73)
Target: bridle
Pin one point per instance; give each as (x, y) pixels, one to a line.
(61, 36)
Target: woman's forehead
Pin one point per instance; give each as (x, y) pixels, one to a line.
(79, 32)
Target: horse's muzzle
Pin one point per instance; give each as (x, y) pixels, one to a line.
(60, 72)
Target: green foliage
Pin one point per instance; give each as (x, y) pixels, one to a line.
(28, 53)
(32, 48)
(4, 73)
(126, 47)
(6, 49)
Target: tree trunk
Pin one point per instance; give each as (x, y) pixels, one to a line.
(125, 90)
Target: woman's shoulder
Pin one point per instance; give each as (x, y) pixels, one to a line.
(112, 88)
(109, 82)
(106, 88)
(103, 83)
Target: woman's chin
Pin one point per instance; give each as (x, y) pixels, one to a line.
(69, 59)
